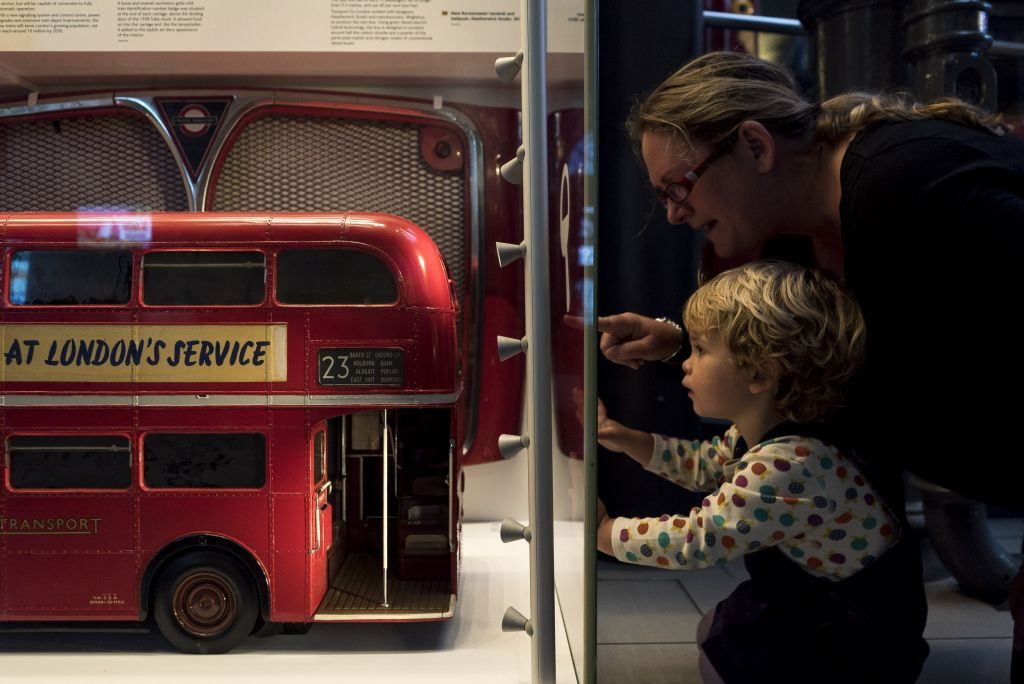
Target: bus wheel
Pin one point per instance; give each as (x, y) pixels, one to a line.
(205, 603)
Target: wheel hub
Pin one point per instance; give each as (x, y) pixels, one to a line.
(204, 604)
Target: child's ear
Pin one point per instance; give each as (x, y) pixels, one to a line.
(763, 377)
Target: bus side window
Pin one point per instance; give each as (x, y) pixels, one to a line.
(70, 462)
(183, 278)
(190, 460)
(70, 277)
(333, 276)
(319, 457)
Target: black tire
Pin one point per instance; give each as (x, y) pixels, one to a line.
(205, 603)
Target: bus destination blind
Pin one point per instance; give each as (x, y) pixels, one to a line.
(361, 366)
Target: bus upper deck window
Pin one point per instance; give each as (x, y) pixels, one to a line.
(333, 276)
(203, 278)
(70, 277)
(69, 462)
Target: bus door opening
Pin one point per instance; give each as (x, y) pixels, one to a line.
(392, 479)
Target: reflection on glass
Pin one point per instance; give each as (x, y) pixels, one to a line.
(70, 278)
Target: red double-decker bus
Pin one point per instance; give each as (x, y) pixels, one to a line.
(228, 422)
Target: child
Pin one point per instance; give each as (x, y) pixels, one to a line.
(835, 590)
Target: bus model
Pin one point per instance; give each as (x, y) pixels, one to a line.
(228, 423)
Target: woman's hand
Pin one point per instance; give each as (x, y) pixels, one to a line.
(630, 339)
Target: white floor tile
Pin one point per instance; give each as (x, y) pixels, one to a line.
(951, 615)
(736, 568)
(967, 661)
(708, 587)
(647, 664)
(1002, 528)
(644, 612)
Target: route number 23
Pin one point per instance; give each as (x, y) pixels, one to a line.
(334, 371)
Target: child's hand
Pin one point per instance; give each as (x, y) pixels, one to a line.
(604, 529)
(614, 436)
(611, 434)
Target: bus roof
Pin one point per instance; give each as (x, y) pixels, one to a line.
(414, 256)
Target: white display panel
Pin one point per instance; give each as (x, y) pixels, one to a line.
(272, 26)
(470, 648)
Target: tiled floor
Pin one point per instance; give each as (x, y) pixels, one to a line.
(647, 619)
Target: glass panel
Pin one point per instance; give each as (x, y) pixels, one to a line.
(70, 278)
(70, 462)
(571, 164)
(333, 276)
(318, 457)
(203, 278)
(214, 461)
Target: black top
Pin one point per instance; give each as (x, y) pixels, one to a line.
(933, 232)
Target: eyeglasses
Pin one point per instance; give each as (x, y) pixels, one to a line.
(681, 189)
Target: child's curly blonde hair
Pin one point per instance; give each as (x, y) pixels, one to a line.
(800, 320)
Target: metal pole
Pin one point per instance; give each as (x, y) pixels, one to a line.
(344, 469)
(754, 22)
(591, 17)
(394, 453)
(452, 505)
(538, 330)
(384, 497)
(1006, 48)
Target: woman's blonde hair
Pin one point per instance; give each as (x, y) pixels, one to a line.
(707, 99)
(798, 321)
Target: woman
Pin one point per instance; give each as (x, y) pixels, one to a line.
(920, 208)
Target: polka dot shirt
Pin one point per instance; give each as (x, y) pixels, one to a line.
(793, 492)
